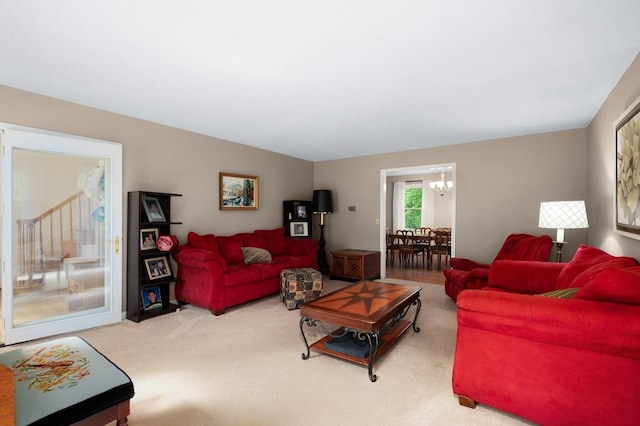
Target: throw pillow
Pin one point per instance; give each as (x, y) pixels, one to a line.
(614, 285)
(231, 249)
(253, 239)
(563, 293)
(255, 255)
(585, 257)
(204, 242)
(274, 240)
(588, 275)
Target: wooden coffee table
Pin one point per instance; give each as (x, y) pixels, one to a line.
(370, 310)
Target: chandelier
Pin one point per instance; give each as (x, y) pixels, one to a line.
(440, 186)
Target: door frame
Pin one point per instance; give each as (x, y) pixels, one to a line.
(14, 136)
(409, 171)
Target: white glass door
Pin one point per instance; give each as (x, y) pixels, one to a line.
(61, 227)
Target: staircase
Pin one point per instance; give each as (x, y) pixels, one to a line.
(45, 241)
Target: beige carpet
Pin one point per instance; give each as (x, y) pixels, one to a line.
(245, 368)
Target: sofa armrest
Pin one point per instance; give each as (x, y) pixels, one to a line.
(524, 276)
(609, 328)
(466, 264)
(190, 256)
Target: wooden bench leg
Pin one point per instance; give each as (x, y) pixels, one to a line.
(465, 401)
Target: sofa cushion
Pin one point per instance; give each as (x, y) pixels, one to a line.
(231, 249)
(255, 255)
(204, 242)
(253, 239)
(241, 274)
(585, 257)
(614, 285)
(594, 271)
(271, 270)
(275, 240)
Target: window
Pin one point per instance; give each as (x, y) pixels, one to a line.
(412, 206)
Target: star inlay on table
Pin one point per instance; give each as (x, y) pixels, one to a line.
(364, 298)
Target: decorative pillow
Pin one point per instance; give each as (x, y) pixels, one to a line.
(585, 257)
(274, 240)
(563, 293)
(204, 242)
(231, 249)
(253, 239)
(614, 285)
(588, 275)
(255, 255)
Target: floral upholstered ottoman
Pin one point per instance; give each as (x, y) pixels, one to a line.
(64, 381)
(299, 285)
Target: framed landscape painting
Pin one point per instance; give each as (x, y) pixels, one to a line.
(627, 186)
(238, 192)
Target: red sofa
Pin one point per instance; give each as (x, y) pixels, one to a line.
(569, 356)
(465, 274)
(212, 272)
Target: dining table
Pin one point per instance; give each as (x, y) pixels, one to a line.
(428, 242)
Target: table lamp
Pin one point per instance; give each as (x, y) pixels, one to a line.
(322, 205)
(562, 215)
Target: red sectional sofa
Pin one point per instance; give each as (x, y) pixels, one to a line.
(212, 272)
(568, 356)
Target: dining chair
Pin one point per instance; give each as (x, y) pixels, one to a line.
(393, 245)
(407, 249)
(441, 246)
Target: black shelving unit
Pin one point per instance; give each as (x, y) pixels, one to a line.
(138, 279)
(296, 218)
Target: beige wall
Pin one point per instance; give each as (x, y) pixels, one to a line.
(602, 167)
(165, 159)
(499, 187)
(499, 183)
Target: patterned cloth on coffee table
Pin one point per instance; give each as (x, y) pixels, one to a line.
(299, 285)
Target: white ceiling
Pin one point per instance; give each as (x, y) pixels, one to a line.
(327, 79)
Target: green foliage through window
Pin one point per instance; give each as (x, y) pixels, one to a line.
(412, 208)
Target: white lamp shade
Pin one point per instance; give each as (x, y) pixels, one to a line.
(563, 215)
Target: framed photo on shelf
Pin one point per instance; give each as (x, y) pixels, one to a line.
(158, 268)
(148, 239)
(153, 209)
(299, 229)
(627, 187)
(238, 192)
(300, 210)
(151, 298)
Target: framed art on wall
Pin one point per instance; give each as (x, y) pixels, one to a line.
(627, 186)
(238, 192)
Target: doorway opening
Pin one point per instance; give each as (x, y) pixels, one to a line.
(431, 172)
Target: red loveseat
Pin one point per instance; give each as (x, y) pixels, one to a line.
(569, 356)
(212, 272)
(465, 273)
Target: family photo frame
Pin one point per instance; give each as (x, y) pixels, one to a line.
(238, 192)
(299, 229)
(158, 268)
(153, 209)
(148, 239)
(627, 187)
(300, 210)
(151, 298)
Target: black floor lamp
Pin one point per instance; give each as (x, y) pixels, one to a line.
(322, 205)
